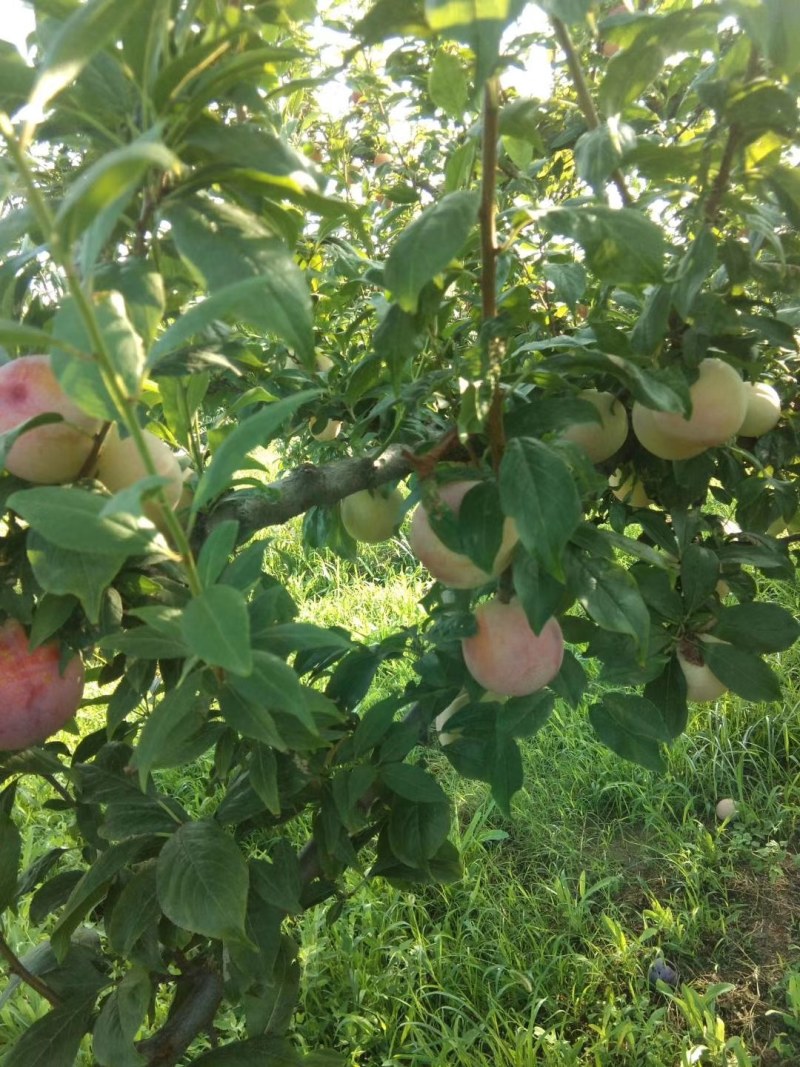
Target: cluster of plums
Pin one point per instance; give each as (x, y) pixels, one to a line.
(504, 655)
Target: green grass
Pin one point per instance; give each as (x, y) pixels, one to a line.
(540, 953)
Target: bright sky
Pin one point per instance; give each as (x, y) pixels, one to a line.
(536, 80)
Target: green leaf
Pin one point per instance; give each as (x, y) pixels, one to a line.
(250, 717)
(775, 27)
(567, 10)
(278, 882)
(478, 23)
(55, 1039)
(202, 881)
(257, 430)
(416, 831)
(622, 246)
(216, 627)
(632, 727)
(226, 245)
(628, 74)
(540, 594)
(263, 1050)
(172, 719)
(609, 594)
(105, 187)
(744, 672)
(538, 491)
(85, 32)
(426, 247)
(92, 887)
(412, 782)
(71, 518)
(569, 281)
(668, 694)
(758, 626)
(699, 576)
(480, 525)
(598, 152)
(273, 684)
(142, 289)
(263, 768)
(10, 852)
(63, 572)
(119, 1021)
(136, 910)
(447, 84)
(217, 551)
(507, 774)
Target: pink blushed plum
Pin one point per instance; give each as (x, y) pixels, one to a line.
(36, 699)
(50, 454)
(506, 656)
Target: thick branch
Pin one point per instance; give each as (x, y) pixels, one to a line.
(197, 997)
(17, 967)
(719, 188)
(585, 100)
(308, 485)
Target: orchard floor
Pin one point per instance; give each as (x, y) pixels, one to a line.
(540, 954)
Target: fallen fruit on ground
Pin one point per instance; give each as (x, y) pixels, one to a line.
(54, 453)
(449, 567)
(701, 684)
(763, 409)
(36, 699)
(372, 515)
(120, 465)
(726, 809)
(719, 404)
(506, 656)
(600, 440)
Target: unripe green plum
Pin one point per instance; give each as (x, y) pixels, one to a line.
(600, 440)
(454, 568)
(372, 515)
(120, 465)
(719, 404)
(763, 409)
(50, 454)
(506, 656)
(630, 490)
(324, 432)
(701, 683)
(36, 699)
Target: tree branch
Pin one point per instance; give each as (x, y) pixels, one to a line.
(585, 100)
(491, 110)
(293, 495)
(17, 967)
(197, 997)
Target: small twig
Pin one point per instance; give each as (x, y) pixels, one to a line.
(59, 788)
(585, 100)
(491, 111)
(17, 967)
(714, 202)
(91, 460)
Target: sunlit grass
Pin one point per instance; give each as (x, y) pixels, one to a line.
(540, 954)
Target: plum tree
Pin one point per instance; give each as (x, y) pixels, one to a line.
(719, 404)
(37, 697)
(763, 409)
(55, 452)
(120, 465)
(454, 568)
(506, 656)
(600, 440)
(372, 515)
(701, 683)
(169, 238)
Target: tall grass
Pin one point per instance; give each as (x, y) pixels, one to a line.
(541, 953)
